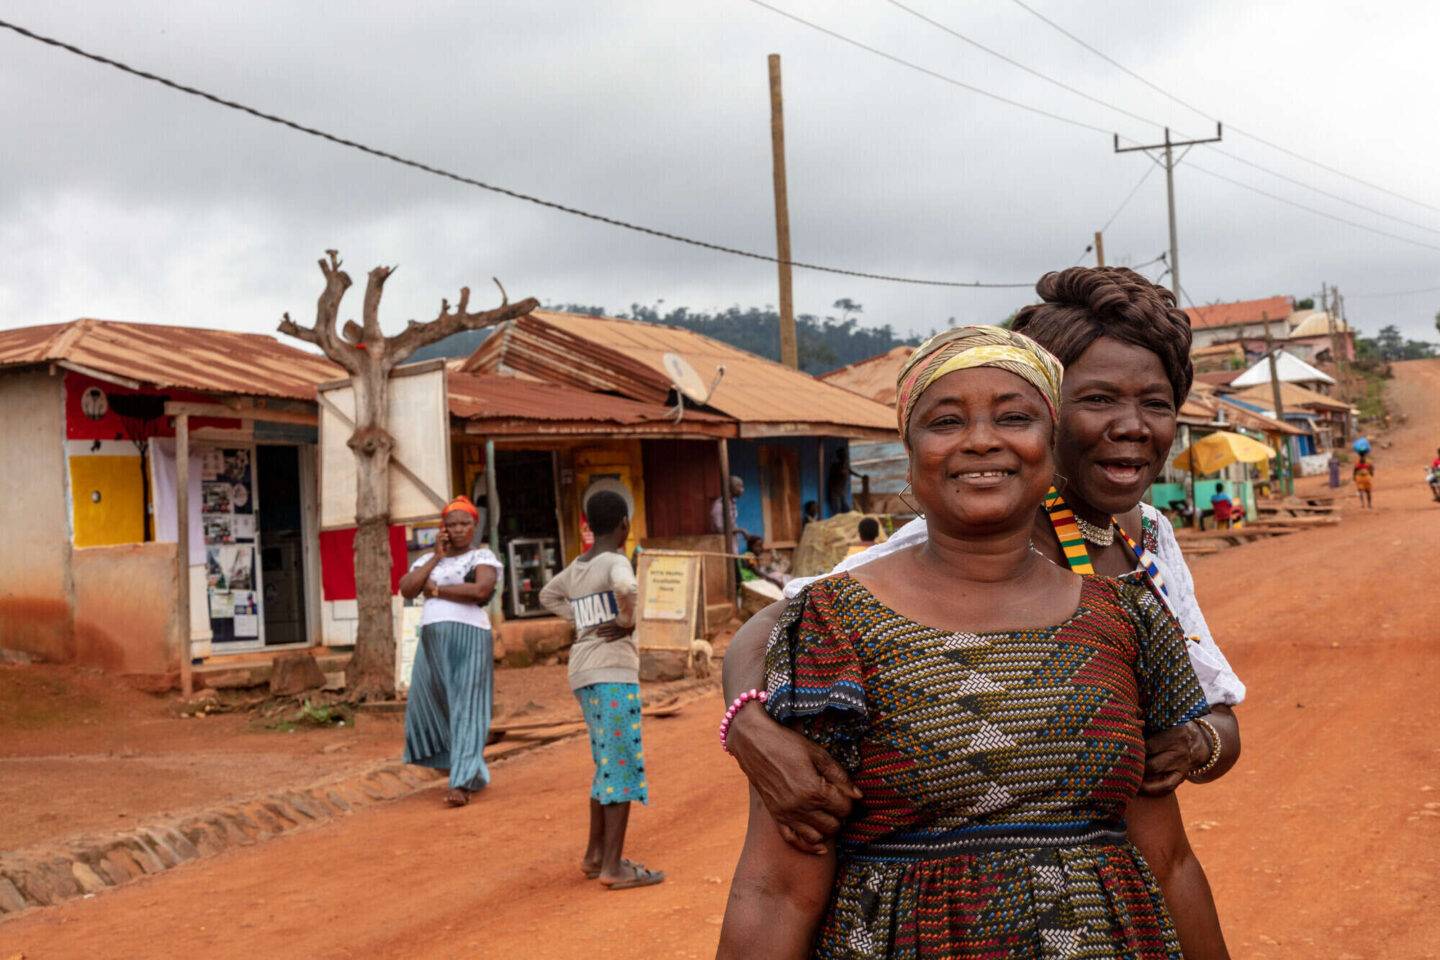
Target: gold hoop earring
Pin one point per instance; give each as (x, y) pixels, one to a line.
(906, 500)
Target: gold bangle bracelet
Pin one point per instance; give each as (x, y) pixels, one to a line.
(1198, 772)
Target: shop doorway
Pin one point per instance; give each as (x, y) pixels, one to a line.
(282, 551)
(525, 482)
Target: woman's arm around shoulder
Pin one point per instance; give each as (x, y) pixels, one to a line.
(778, 895)
(806, 791)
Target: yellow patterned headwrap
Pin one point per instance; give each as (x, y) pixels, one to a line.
(961, 348)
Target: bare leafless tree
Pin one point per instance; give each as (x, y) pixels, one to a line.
(369, 356)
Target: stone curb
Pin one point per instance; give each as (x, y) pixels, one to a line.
(51, 873)
(47, 874)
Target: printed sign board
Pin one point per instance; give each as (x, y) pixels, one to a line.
(672, 595)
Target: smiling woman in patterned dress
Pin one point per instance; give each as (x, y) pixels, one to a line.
(996, 729)
(1125, 346)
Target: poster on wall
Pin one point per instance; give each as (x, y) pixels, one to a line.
(247, 613)
(215, 498)
(218, 529)
(222, 604)
(227, 508)
(214, 572)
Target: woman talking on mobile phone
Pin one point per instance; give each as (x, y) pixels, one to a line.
(447, 716)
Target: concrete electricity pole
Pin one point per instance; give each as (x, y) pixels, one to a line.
(789, 351)
(1169, 163)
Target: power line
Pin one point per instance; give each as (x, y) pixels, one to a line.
(1104, 103)
(1020, 66)
(1129, 196)
(1322, 213)
(1396, 293)
(470, 181)
(927, 71)
(1323, 193)
(1234, 129)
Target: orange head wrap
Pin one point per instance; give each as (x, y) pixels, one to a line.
(461, 503)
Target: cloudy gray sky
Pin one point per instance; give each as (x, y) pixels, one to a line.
(124, 200)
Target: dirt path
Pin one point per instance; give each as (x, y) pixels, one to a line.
(1324, 842)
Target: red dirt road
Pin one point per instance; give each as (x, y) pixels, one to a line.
(1324, 841)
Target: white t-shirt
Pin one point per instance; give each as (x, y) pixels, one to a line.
(1217, 679)
(591, 593)
(449, 572)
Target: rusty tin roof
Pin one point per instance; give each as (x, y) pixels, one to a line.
(624, 356)
(214, 361)
(509, 405)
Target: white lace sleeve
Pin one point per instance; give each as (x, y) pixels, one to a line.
(1219, 682)
(912, 533)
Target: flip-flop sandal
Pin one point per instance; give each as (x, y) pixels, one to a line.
(642, 878)
(624, 862)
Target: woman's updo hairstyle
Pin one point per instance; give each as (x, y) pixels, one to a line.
(1083, 304)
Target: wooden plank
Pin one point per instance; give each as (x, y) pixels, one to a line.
(242, 412)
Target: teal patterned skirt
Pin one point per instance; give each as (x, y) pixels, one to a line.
(452, 690)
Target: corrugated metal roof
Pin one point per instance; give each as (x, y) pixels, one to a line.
(1292, 395)
(510, 404)
(214, 361)
(1242, 311)
(624, 356)
(873, 377)
(1219, 378)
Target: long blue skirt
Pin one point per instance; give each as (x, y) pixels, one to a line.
(447, 716)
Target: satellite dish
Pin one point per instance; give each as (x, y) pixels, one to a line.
(687, 382)
(684, 377)
(613, 486)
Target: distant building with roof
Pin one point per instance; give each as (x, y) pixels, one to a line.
(1226, 322)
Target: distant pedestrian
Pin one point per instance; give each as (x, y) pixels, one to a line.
(717, 515)
(447, 714)
(869, 532)
(1223, 508)
(1334, 464)
(1432, 477)
(597, 593)
(837, 483)
(808, 512)
(1364, 474)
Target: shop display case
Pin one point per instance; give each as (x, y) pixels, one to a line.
(533, 561)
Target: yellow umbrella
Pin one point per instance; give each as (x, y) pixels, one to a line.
(1218, 450)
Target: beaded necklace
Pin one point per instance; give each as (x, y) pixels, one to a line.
(1062, 518)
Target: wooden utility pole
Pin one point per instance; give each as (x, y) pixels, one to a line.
(1099, 249)
(182, 550)
(369, 356)
(1169, 163)
(789, 351)
(1337, 337)
(1278, 400)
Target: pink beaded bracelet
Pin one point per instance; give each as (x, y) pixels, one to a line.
(759, 696)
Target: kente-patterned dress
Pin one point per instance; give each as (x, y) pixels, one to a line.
(996, 769)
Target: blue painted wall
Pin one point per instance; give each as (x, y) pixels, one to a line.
(745, 464)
